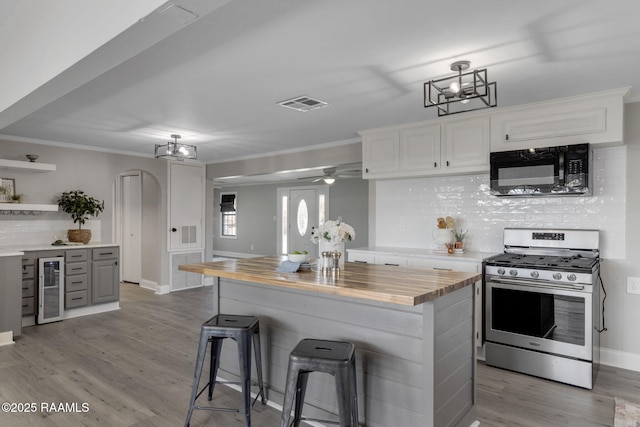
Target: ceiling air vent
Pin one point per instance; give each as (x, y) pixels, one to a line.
(303, 103)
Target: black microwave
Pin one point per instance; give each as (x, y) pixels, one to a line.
(548, 171)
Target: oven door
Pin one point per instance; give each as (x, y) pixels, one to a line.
(539, 317)
(520, 173)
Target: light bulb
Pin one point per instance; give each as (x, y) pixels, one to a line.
(183, 150)
(455, 87)
(465, 101)
(329, 180)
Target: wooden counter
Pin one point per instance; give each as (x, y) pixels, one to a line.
(406, 286)
(413, 330)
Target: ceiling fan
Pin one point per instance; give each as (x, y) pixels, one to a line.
(329, 175)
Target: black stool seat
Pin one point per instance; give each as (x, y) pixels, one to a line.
(332, 357)
(244, 330)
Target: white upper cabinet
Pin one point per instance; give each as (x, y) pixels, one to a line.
(466, 142)
(461, 144)
(439, 147)
(420, 148)
(382, 154)
(595, 119)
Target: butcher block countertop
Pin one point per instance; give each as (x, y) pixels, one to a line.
(390, 284)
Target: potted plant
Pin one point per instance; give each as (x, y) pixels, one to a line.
(81, 207)
(459, 236)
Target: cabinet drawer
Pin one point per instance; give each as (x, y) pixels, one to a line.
(29, 258)
(28, 272)
(76, 255)
(75, 268)
(398, 261)
(104, 253)
(28, 305)
(28, 288)
(75, 299)
(76, 283)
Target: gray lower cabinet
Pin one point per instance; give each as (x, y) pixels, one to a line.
(76, 282)
(28, 283)
(91, 277)
(10, 295)
(105, 275)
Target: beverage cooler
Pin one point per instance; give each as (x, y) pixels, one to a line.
(50, 289)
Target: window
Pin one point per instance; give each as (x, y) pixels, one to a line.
(228, 217)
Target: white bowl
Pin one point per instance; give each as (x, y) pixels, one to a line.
(298, 257)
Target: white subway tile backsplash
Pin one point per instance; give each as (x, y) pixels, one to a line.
(16, 233)
(406, 210)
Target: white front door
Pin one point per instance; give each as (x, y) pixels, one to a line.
(303, 216)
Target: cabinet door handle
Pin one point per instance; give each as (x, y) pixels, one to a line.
(76, 299)
(506, 137)
(77, 268)
(447, 163)
(395, 265)
(361, 262)
(366, 170)
(435, 164)
(106, 253)
(442, 269)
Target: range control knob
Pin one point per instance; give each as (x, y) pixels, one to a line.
(557, 276)
(501, 271)
(513, 272)
(534, 274)
(572, 277)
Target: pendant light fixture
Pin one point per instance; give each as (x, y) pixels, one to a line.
(176, 150)
(464, 91)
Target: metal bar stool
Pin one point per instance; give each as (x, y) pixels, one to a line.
(332, 357)
(242, 329)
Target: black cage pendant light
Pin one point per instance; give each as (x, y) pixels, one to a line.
(464, 91)
(176, 150)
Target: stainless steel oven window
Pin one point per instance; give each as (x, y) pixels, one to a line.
(553, 317)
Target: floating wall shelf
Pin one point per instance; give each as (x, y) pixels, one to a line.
(25, 208)
(20, 166)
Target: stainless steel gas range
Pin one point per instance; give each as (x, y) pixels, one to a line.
(542, 314)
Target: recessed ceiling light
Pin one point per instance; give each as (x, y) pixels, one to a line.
(303, 103)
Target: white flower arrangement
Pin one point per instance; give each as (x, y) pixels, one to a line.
(334, 232)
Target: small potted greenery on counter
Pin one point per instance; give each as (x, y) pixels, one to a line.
(81, 207)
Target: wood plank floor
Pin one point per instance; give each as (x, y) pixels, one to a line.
(134, 367)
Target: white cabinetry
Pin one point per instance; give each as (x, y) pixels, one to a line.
(440, 147)
(595, 118)
(382, 154)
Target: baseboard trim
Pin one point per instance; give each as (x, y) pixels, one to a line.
(163, 289)
(91, 309)
(620, 359)
(149, 284)
(6, 338)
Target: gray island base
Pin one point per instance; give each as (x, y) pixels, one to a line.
(415, 364)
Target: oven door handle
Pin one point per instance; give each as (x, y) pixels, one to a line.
(526, 282)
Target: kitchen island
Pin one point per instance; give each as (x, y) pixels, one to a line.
(413, 329)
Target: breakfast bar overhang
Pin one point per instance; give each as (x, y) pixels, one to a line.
(413, 330)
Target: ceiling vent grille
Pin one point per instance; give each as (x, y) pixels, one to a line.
(303, 103)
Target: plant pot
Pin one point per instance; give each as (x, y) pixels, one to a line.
(458, 245)
(79, 236)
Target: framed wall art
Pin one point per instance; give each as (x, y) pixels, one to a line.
(7, 189)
